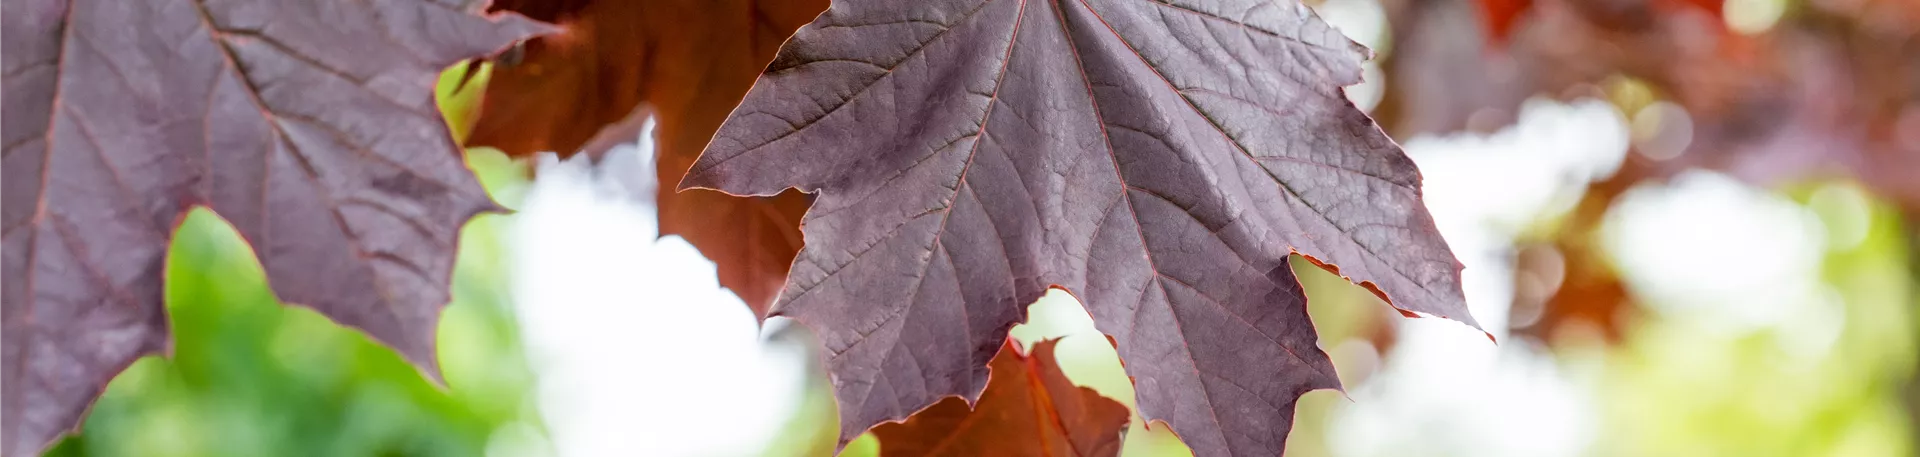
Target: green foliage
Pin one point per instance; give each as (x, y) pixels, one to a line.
(1675, 389)
(251, 377)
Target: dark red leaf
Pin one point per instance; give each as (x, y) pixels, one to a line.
(1160, 160)
(309, 125)
(1029, 408)
(686, 62)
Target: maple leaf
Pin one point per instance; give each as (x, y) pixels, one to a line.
(309, 125)
(687, 62)
(1158, 159)
(1030, 408)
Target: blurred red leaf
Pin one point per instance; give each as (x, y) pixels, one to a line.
(1565, 283)
(1499, 16)
(685, 62)
(1589, 297)
(1029, 408)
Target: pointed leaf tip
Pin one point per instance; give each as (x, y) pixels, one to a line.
(966, 162)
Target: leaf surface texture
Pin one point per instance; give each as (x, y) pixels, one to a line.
(1159, 159)
(308, 125)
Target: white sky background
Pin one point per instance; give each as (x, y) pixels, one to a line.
(1702, 247)
(638, 351)
(1445, 390)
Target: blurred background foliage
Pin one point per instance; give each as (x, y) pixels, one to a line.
(1676, 387)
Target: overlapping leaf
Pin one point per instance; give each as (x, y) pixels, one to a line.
(686, 62)
(309, 125)
(1159, 159)
(1030, 408)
